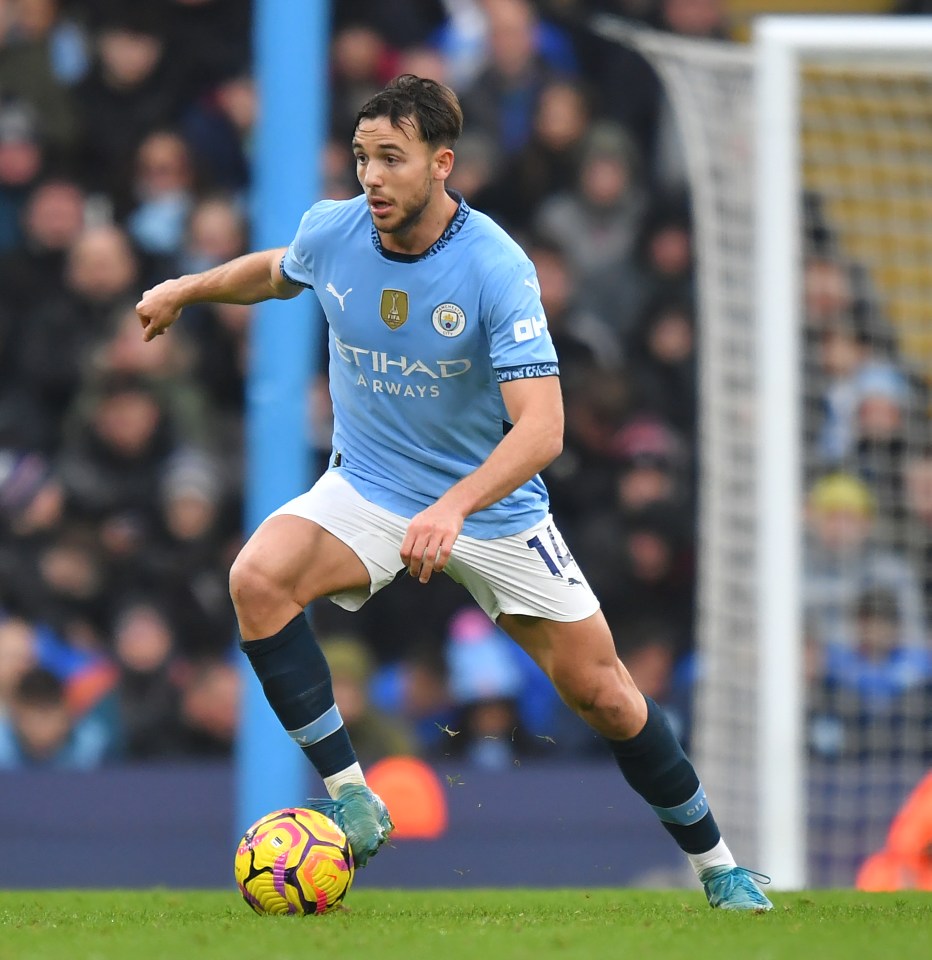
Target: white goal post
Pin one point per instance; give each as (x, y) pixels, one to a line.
(780, 44)
(750, 156)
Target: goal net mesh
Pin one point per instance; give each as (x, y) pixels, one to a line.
(866, 264)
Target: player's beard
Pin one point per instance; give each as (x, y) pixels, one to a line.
(411, 211)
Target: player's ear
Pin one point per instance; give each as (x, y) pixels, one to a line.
(443, 163)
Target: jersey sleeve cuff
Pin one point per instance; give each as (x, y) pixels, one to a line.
(290, 279)
(526, 371)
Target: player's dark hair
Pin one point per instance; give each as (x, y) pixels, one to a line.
(434, 107)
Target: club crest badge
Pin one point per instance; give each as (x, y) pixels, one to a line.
(394, 308)
(449, 320)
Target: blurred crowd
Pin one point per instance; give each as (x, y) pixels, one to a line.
(125, 140)
(868, 550)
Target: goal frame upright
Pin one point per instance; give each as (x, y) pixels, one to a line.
(780, 44)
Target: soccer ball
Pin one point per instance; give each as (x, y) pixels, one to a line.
(294, 861)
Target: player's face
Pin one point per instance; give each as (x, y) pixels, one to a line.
(396, 169)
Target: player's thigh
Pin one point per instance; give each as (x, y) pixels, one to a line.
(355, 545)
(570, 653)
(580, 659)
(299, 557)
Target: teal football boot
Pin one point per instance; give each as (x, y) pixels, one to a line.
(361, 815)
(733, 888)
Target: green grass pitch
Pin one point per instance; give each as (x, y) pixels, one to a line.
(448, 925)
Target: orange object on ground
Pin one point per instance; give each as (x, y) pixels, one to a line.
(905, 863)
(414, 796)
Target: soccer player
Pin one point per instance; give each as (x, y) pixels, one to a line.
(447, 404)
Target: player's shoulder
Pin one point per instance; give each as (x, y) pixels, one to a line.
(482, 229)
(498, 254)
(335, 215)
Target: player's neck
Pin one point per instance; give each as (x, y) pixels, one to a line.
(428, 229)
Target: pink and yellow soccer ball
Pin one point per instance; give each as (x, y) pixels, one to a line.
(294, 861)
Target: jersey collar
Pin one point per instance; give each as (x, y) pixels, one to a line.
(453, 228)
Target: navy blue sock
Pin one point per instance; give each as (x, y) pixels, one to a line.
(296, 680)
(654, 764)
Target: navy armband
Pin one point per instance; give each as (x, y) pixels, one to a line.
(526, 371)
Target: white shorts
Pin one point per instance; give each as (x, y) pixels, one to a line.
(528, 573)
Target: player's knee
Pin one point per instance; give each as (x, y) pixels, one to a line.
(606, 698)
(252, 586)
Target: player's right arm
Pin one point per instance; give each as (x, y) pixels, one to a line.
(248, 279)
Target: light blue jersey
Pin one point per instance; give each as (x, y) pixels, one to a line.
(418, 348)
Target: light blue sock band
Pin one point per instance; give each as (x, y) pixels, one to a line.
(685, 814)
(315, 731)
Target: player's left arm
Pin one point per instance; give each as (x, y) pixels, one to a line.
(535, 408)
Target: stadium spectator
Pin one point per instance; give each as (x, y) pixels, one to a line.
(52, 220)
(522, 58)
(220, 333)
(42, 53)
(190, 552)
(210, 708)
(643, 568)
(73, 589)
(151, 674)
(31, 510)
(209, 39)
(133, 87)
(166, 369)
(22, 156)
(423, 61)
(661, 354)
(214, 233)
(849, 371)
(361, 61)
(660, 669)
(163, 188)
(660, 268)
(461, 41)
(548, 163)
(59, 330)
(598, 221)
(611, 67)
(837, 290)
(39, 731)
(582, 339)
(873, 697)
(653, 470)
(885, 430)
(218, 129)
(122, 441)
(843, 559)
(584, 473)
(403, 23)
(477, 172)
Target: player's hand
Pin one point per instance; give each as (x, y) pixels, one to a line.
(429, 540)
(158, 309)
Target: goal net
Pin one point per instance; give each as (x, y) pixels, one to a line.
(807, 152)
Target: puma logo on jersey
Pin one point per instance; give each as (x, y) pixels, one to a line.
(534, 285)
(330, 288)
